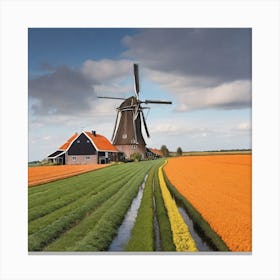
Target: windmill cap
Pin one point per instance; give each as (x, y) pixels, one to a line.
(131, 101)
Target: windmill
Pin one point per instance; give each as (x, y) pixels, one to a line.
(127, 134)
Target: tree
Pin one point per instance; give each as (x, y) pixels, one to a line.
(164, 151)
(179, 151)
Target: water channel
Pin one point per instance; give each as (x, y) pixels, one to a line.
(124, 231)
(201, 245)
(125, 228)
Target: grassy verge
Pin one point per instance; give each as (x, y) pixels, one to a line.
(163, 220)
(142, 235)
(204, 229)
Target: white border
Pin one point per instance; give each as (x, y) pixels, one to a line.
(17, 16)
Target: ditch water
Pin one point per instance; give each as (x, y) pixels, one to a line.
(125, 228)
(200, 243)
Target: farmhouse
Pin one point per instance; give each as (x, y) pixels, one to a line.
(153, 153)
(86, 148)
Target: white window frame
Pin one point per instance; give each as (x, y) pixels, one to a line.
(87, 157)
(74, 158)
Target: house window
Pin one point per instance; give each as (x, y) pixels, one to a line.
(124, 136)
(78, 141)
(74, 158)
(87, 141)
(134, 147)
(87, 157)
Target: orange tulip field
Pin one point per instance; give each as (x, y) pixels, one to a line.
(219, 187)
(45, 174)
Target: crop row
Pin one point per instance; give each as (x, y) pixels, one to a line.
(142, 235)
(166, 239)
(87, 202)
(83, 213)
(71, 182)
(181, 236)
(68, 241)
(49, 203)
(106, 228)
(76, 216)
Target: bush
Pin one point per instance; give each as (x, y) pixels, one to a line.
(136, 157)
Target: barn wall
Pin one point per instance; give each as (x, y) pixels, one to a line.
(81, 159)
(82, 146)
(128, 150)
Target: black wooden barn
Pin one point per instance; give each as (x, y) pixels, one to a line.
(86, 148)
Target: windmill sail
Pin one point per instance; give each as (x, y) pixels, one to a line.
(136, 80)
(145, 124)
(156, 102)
(127, 133)
(115, 126)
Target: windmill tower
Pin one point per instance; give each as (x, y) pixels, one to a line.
(127, 134)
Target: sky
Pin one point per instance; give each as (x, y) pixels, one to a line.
(205, 72)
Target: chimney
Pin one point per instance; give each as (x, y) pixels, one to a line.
(93, 132)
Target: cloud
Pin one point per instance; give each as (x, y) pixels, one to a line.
(244, 126)
(234, 95)
(178, 128)
(202, 68)
(219, 53)
(115, 89)
(67, 91)
(202, 92)
(64, 91)
(199, 134)
(106, 70)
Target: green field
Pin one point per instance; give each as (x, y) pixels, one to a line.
(83, 213)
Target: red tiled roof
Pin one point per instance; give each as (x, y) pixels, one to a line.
(101, 142)
(156, 151)
(68, 142)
